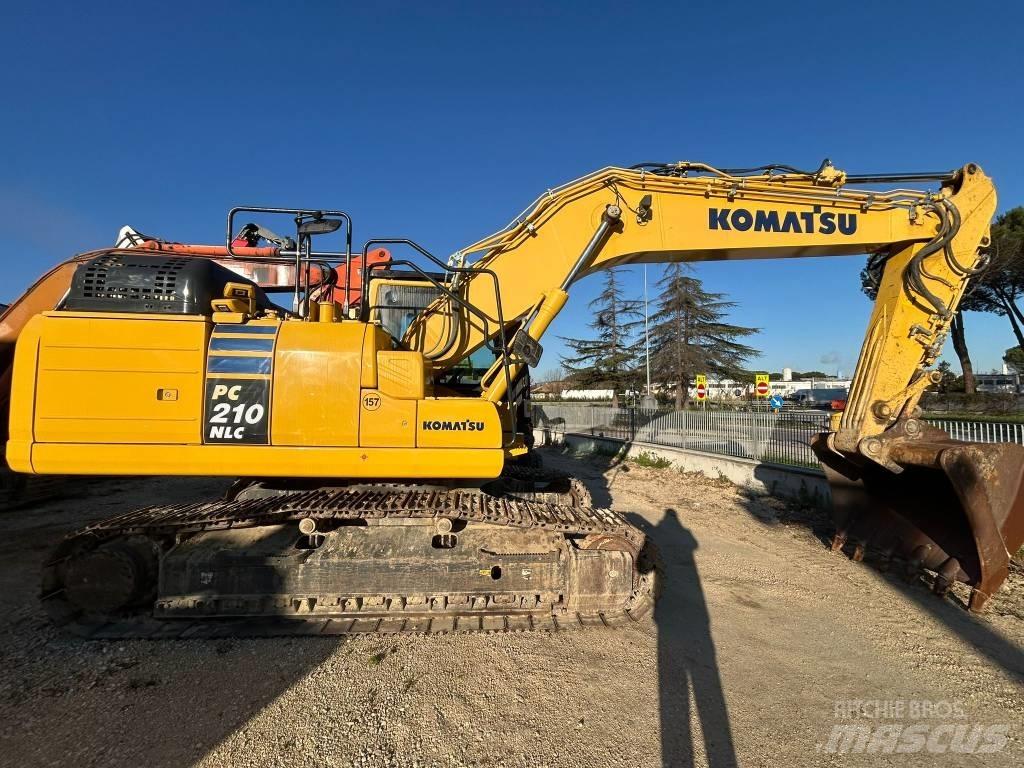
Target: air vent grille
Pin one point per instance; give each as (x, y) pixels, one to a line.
(149, 283)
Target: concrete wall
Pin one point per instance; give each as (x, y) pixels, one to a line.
(796, 483)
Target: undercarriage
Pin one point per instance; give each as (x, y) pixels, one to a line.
(521, 554)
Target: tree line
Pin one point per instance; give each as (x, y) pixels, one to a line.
(687, 330)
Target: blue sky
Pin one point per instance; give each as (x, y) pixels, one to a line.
(441, 121)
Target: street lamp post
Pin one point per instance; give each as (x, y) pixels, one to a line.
(647, 346)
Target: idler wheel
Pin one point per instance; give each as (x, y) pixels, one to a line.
(112, 577)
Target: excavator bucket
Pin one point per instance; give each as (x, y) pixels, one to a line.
(952, 507)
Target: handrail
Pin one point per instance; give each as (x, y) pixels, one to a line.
(299, 255)
(475, 311)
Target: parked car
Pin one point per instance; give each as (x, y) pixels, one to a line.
(818, 398)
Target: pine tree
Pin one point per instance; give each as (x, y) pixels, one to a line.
(689, 336)
(1000, 287)
(607, 360)
(1014, 358)
(948, 380)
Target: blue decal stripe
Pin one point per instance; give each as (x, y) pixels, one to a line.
(268, 330)
(242, 345)
(238, 365)
(238, 376)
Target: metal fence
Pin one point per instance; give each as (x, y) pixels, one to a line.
(780, 438)
(982, 431)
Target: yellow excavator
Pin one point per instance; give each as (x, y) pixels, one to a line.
(378, 417)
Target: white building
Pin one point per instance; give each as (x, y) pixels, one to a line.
(721, 389)
(1009, 383)
(718, 389)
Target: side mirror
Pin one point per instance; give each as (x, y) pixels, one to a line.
(319, 226)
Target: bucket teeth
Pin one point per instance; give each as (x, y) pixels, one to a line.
(884, 561)
(910, 573)
(955, 508)
(918, 557)
(977, 600)
(945, 577)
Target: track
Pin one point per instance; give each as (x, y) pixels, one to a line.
(302, 613)
(522, 482)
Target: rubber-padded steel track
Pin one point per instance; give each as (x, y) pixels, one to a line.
(176, 520)
(545, 485)
(345, 504)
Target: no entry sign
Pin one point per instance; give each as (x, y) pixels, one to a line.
(761, 385)
(702, 387)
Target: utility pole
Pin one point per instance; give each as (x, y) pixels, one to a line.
(647, 344)
(647, 333)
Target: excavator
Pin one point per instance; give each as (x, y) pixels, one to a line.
(377, 417)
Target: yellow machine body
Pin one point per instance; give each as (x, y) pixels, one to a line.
(155, 394)
(115, 392)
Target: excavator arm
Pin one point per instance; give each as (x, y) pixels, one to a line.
(898, 484)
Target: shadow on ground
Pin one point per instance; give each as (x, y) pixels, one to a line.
(686, 649)
(689, 684)
(169, 711)
(916, 587)
(694, 717)
(68, 701)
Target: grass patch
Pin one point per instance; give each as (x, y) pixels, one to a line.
(650, 460)
(772, 458)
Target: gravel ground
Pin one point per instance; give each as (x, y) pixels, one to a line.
(758, 645)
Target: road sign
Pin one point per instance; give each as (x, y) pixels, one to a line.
(761, 387)
(702, 387)
(775, 401)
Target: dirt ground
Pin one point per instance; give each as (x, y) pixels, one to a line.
(762, 643)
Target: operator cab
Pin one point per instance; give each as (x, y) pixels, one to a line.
(396, 298)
